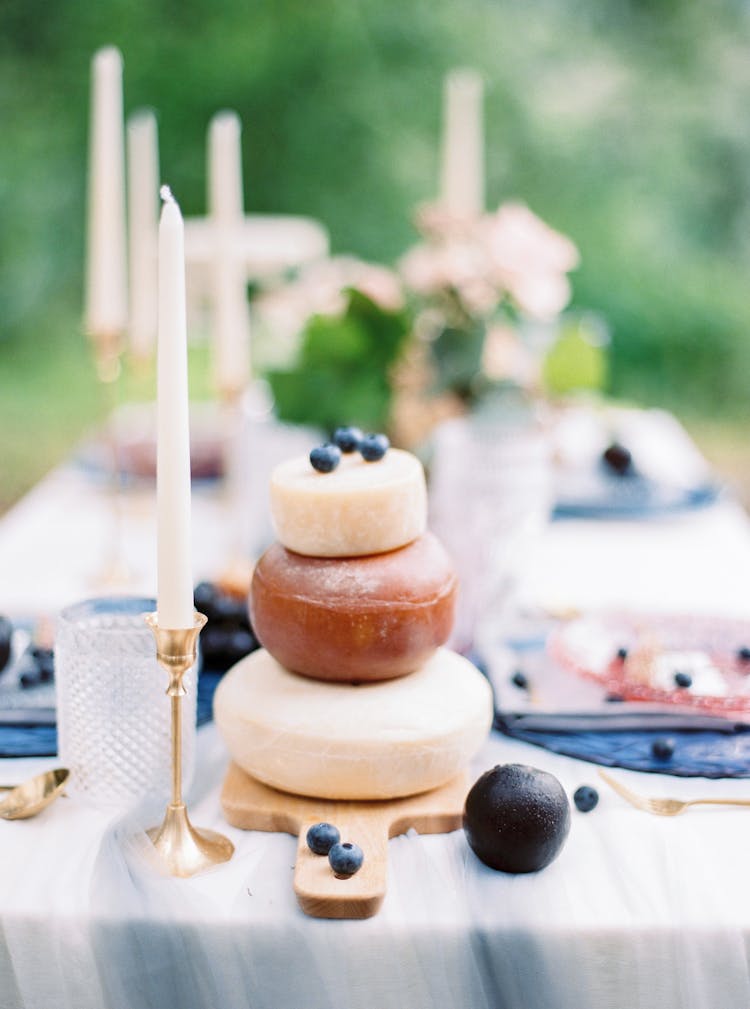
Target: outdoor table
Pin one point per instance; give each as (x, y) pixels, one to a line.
(638, 911)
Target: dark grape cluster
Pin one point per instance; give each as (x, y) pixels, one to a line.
(228, 636)
(6, 635)
(36, 665)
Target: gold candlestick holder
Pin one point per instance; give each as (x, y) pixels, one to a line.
(185, 849)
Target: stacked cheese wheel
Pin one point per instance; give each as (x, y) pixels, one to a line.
(352, 695)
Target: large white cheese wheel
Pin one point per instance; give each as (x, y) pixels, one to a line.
(338, 741)
(360, 508)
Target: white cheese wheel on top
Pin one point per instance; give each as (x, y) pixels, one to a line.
(337, 741)
(360, 508)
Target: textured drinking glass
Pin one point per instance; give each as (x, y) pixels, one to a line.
(490, 499)
(113, 715)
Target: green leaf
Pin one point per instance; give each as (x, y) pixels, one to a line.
(342, 375)
(323, 398)
(332, 342)
(386, 331)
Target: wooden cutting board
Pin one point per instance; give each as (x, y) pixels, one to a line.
(252, 806)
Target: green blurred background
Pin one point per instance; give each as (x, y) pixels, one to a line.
(624, 123)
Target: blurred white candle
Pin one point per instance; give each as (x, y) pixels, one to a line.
(231, 317)
(462, 163)
(175, 580)
(143, 213)
(106, 280)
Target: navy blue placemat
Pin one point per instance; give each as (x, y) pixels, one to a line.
(41, 740)
(207, 684)
(28, 740)
(696, 754)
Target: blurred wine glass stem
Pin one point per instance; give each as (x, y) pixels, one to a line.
(108, 362)
(236, 560)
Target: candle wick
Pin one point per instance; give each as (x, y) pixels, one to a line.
(166, 194)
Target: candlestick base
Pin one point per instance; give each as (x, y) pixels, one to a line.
(185, 849)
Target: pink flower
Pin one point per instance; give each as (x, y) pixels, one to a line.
(517, 239)
(378, 283)
(541, 295)
(433, 267)
(438, 224)
(319, 289)
(529, 259)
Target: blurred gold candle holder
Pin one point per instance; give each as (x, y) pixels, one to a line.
(184, 849)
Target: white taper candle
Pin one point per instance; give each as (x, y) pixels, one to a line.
(175, 582)
(143, 215)
(106, 279)
(462, 167)
(231, 317)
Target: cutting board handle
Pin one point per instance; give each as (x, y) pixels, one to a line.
(252, 806)
(321, 894)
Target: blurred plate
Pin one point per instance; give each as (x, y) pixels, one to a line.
(568, 713)
(706, 650)
(668, 473)
(134, 426)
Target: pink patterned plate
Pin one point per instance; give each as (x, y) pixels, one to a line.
(693, 662)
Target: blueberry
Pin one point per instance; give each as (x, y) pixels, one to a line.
(622, 654)
(520, 679)
(683, 679)
(325, 458)
(347, 438)
(662, 749)
(345, 859)
(743, 654)
(585, 798)
(321, 837)
(373, 447)
(618, 459)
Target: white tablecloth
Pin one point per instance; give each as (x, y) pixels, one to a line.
(638, 912)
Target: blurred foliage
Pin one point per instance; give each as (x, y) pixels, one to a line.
(330, 379)
(577, 360)
(622, 123)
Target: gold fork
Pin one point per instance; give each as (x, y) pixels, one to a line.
(665, 807)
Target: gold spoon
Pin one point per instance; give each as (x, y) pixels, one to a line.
(34, 795)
